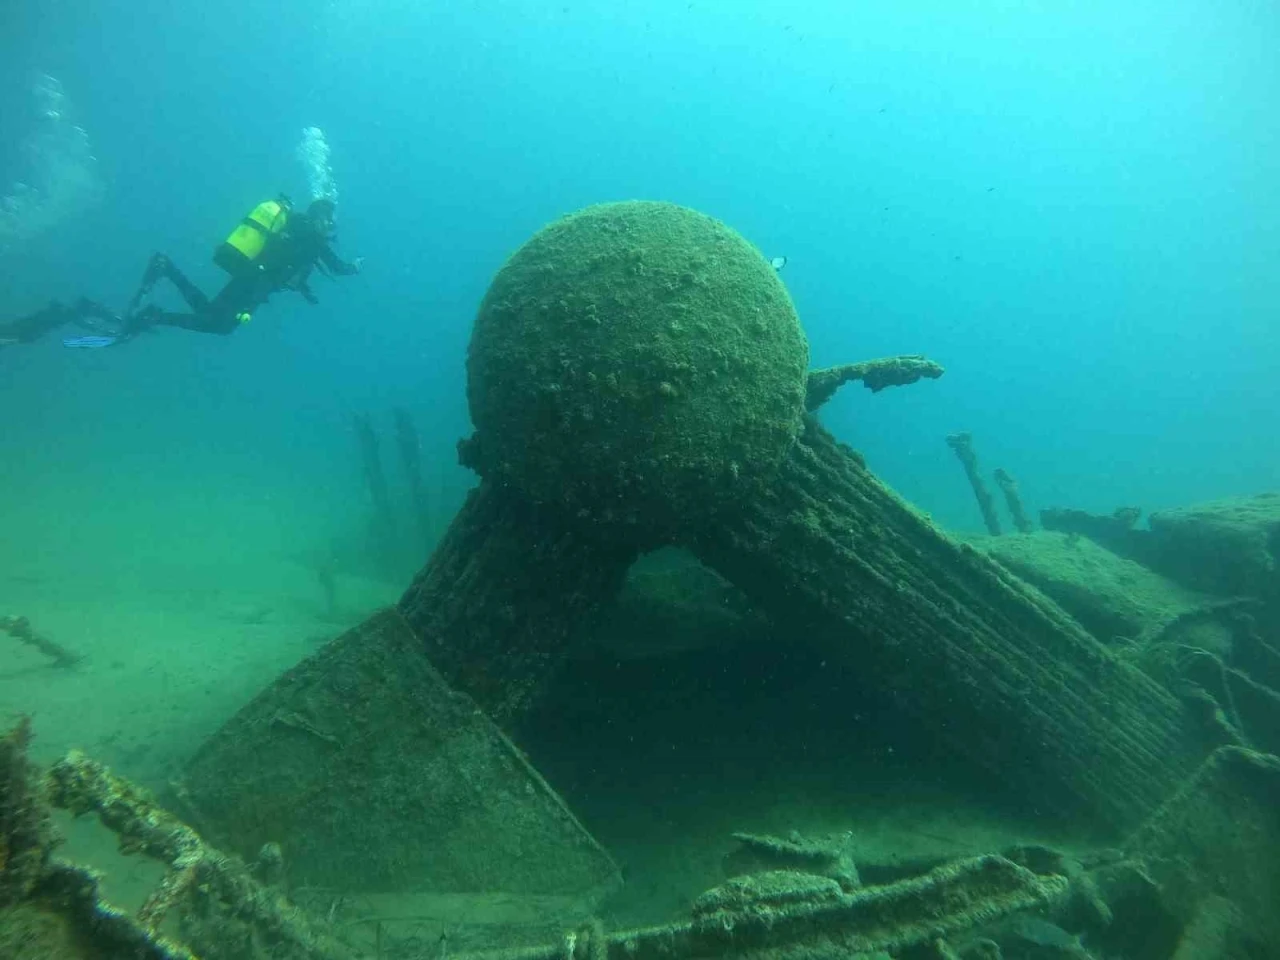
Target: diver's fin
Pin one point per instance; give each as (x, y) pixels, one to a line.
(92, 343)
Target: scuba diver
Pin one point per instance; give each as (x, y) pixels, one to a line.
(272, 249)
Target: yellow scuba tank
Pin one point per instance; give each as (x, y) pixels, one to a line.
(238, 254)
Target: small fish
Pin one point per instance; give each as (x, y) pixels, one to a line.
(778, 263)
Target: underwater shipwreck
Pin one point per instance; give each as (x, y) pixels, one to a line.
(639, 380)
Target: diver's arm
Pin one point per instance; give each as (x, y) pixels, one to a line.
(336, 265)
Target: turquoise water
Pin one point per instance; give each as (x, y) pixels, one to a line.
(1073, 211)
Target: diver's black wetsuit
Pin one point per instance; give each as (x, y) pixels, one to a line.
(285, 264)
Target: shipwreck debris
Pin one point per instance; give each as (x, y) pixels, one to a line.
(1229, 547)
(218, 902)
(1115, 531)
(382, 517)
(962, 444)
(223, 910)
(1013, 500)
(830, 857)
(875, 375)
(21, 630)
(797, 914)
(637, 378)
(1003, 674)
(50, 910)
(373, 775)
(25, 838)
(410, 447)
(1114, 597)
(1210, 855)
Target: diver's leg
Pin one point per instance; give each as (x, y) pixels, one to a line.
(222, 315)
(33, 326)
(192, 294)
(153, 272)
(92, 315)
(234, 304)
(205, 321)
(155, 317)
(161, 266)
